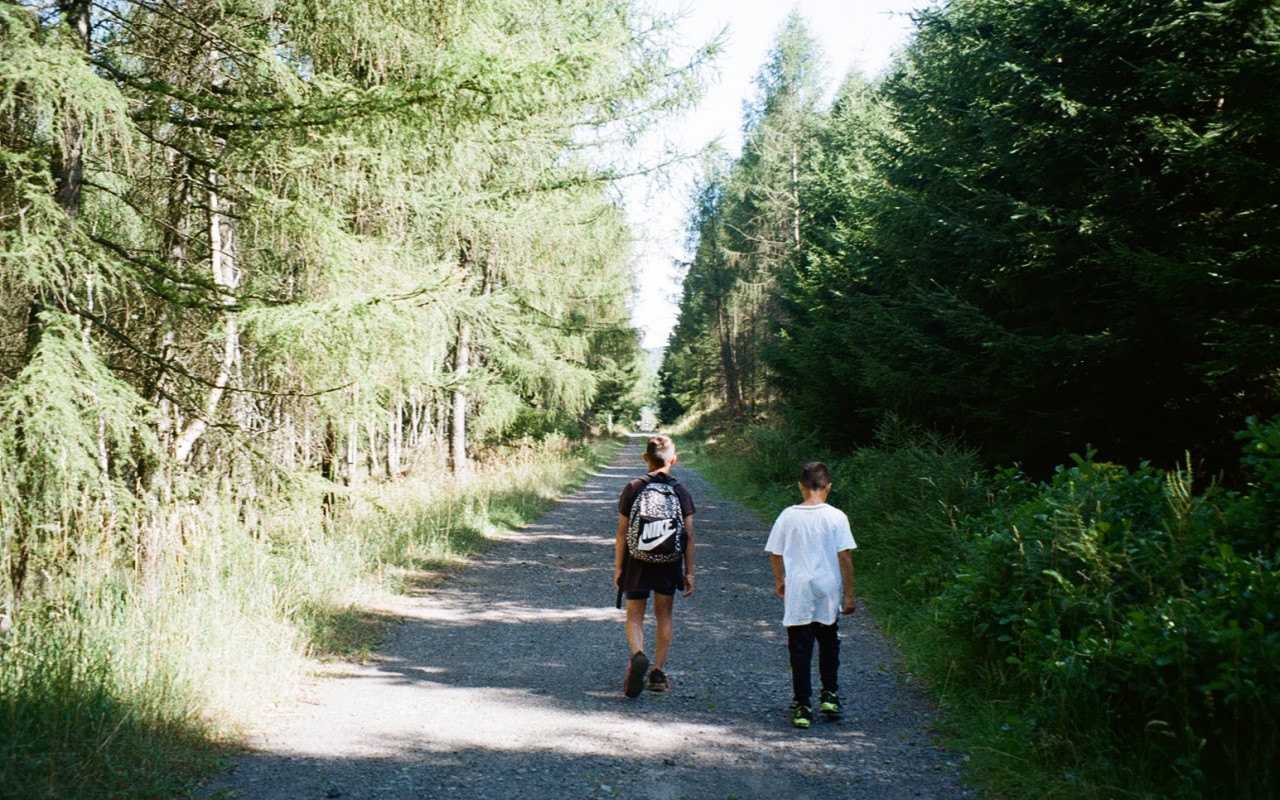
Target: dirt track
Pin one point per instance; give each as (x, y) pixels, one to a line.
(505, 682)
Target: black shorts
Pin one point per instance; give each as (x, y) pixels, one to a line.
(639, 578)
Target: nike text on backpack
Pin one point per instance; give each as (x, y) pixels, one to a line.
(656, 532)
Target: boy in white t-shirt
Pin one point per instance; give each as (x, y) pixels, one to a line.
(811, 550)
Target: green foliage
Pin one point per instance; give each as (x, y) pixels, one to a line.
(744, 227)
(908, 496)
(760, 466)
(1020, 234)
(264, 261)
(52, 415)
(1126, 609)
(1257, 524)
(815, 359)
(114, 688)
(1050, 222)
(1107, 632)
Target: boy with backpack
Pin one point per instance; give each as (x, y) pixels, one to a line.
(653, 553)
(811, 550)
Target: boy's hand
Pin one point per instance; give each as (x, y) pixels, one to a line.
(617, 577)
(780, 588)
(688, 585)
(850, 605)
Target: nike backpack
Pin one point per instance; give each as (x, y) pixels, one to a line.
(655, 532)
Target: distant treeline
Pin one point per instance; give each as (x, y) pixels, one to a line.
(1048, 225)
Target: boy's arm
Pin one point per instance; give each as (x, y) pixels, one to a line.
(619, 550)
(779, 575)
(846, 575)
(690, 561)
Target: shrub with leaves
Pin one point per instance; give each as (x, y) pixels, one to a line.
(1137, 615)
(907, 496)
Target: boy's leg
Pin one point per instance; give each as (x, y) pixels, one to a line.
(637, 663)
(662, 605)
(828, 638)
(800, 647)
(635, 624)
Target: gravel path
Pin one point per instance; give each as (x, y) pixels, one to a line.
(505, 682)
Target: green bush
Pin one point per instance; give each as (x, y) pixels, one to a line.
(1133, 616)
(906, 498)
(756, 464)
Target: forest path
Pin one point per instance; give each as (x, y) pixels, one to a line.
(505, 681)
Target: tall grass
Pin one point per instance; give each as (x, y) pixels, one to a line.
(112, 686)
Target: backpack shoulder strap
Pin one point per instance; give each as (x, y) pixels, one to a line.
(645, 480)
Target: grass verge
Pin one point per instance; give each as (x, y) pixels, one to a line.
(126, 686)
(1107, 633)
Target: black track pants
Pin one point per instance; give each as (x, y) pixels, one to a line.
(800, 641)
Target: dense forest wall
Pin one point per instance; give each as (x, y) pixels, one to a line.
(1048, 225)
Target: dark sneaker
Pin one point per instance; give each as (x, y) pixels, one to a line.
(831, 704)
(634, 683)
(658, 681)
(803, 717)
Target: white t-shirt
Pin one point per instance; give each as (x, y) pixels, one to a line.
(808, 539)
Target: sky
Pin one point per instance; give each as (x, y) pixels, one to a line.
(853, 34)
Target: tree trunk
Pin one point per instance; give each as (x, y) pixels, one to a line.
(372, 464)
(351, 455)
(728, 360)
(69, 166)
(395, 440)
(226, 276)
(329, 467)
(458, 422)
(795, 195)
(417, 420)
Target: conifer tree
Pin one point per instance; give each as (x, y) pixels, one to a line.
(247, 234)
(746, 223)
(1057, 235)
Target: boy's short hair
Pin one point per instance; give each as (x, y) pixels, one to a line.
(815, 475)
(660, 451)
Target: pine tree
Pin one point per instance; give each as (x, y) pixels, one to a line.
(1060, 236)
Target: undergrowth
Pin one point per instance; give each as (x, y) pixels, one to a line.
(1106, 633)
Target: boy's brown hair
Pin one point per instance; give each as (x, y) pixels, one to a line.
(660, 451)
(815, 475)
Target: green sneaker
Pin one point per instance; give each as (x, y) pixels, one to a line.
(803, 717)
(830, 704)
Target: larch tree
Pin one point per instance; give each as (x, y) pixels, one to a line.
(243, 239)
